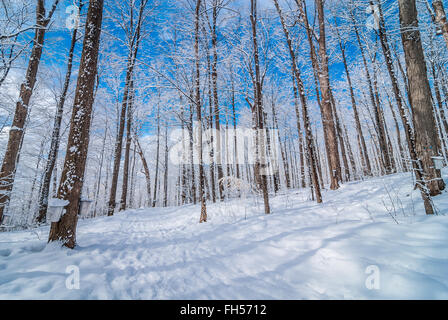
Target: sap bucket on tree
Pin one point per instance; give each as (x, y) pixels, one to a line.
(438, 162)
(55, 208)
(84, 207)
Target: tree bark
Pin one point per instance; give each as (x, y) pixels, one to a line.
(203, 217)
(426, 138)
(72, 177)
(165, 173)
(145, 170)
(156, 176)
(16, 133)
(441, 18)
(127, 152)
(258, 115)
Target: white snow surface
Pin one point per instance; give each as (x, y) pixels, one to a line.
(303, 250)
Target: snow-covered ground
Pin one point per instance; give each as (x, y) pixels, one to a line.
(302, 251)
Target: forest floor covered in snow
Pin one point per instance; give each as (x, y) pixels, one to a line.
(301, 251)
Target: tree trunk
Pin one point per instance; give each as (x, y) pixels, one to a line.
(16, 133)
(191, 152)
(257, 111)
(210, 140)
(218, 153)
(165, 173)
(441, 18)
(145, 170)
(97, 193)
(426, 139)
(440, 106)
(132, 56)
(156, 176)
(311, 155)
(203, 217)
(127, 152)
(235, 138)
(72, 177)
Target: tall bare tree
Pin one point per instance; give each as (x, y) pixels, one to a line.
(133, 34)
(426, 137)
(440, 17)
(258, 112)
(197, 87)
(72, 178)
(9, 164)
(311, 156)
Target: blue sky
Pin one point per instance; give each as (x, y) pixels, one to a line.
(58, 41)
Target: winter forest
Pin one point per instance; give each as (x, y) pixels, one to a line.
(270, 148)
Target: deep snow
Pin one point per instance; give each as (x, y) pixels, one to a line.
(302, 251)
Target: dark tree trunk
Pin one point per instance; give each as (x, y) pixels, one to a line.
(441, 18)
(127, 152)
(16, 133)
(426, 138)
(72, 177)
(165, 173)
(156, 176)
(145, 170)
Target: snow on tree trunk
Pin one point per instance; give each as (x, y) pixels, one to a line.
(72, 178)
(441, 18)
(426, 137)
(16, 132)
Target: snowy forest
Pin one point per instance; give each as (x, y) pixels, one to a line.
(312, 133)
